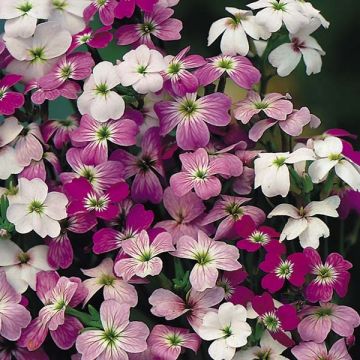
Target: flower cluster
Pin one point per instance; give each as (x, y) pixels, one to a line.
(161, 217)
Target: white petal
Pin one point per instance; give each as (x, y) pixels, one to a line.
(111, 106)
(285, 59)
(220, 350)
(269, 18)
(56, 205)
(149, 83)
(348, 173)
(105, 73)
(23, 26)
(285, 210)
(216, 29)
(18, 48)
(9, 130)
(14, 279)
(315, 230)
(299, 155)
(330, 145)
(38, 257)
(312, 60)
(234, 41)
(8, 253)
(319, 169)
(9, 164)
(325, 207)
(293, 228)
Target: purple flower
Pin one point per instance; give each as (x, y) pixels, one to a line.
(104, 8)
(190, 115)
(96, 39)
(10, 350)
(329, 276)
(10, 100)
(157, 23)
(238, 68)
(294, 269)
(178, 80)
(318, 321)
(126, 8)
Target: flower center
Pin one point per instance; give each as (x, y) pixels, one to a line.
(97, 204)
(66, 71)
(279, 6)
(89, 174)
(200, 174)
(271, 321)
(36, 206)
(142, 70)
(25, 7)
(110, 336)
(37, 55)
(107, 280)
(279, 161)
(174, 339)
(60, 4)
(23, 257)
(264, 354)
(67, 123)
(261, 105)
(228, 288)
(174, 68)
(225, 63)
(227, 331)
(60, 304)
(147, 28)
(285, 269)
(3, 91)
(234, 210)
(101, 2)
(84, 38)
(188, 107)
(103, 133)
(297, 44)
(259, 237)
(202, 258)
(145, 163)
(146, 255)
(322, 312)
(102, 89)
(335, 157)
(325, 274)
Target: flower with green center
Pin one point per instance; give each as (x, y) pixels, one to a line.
(102, 89)
(271, 321)
(279, 5)
(37, 55)
(234, 209)
(147, 28)
(36, 206)
(103, 133)
(259, 237)
(226, 63)
(188, 107)
(60, 4)
(285, 269)
(98, 203)
(174, 68)
(325, 274)
(25, 7)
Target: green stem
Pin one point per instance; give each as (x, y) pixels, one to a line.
(342, 237)
(222, 83)
(85, 318)
(165, 282)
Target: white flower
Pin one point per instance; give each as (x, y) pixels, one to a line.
(21, 267)
(269, 349)
(329, 153)
(304, 224)
(229, 329)
(141, 69)
(9, 130)
(35, 56)
(276, 12)
(33, 208)
(22, 15)
(69, 14)
(235, 30)
(309, 11)
(287, 56)
(97, 99)
(272, 173)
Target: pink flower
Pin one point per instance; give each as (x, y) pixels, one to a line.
(126, 8)
(118, 337)
(199, 174)
(97, 39)
(329, 276)
(108, 239)
(146, 166)
(294, 269)
(56, 293)
(105, 8)
(292, 125)
(83, 198)
(13, 316)
(186, 213)
(143, 260)
(156, 23)
(230, 210)
(210, 255)
(256, 237)
(318, 321)
(97, 135)
(10, 100)
(238, 68)
(311, 351)
(178, 79)
(190, 115)
(275, 106)
(276, 321)
(102, 276)
(166, 342)
(167, 304)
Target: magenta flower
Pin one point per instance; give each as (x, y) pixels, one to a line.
(109, 239)
(236, 293)
(10, 350)
(13, 316)
(210, 255)
(59, 130)
(61, 253)
(10, 100)
(166, 342)
(157, 23)
(146, 166)
(102, 276)
(238, 68)
(178, 79)
(170, 306)
(329, 276)
(318, 321)
(105, 9)
(56, 293)
(98, 134)
(275, 106)
(186, 213)
(276, 321)
(118, 337)
(292, 125)
(312, 350)
(83, 198)
(350, 201)
(256, 237)
(97, 39)
(230, 210)
(191, 115)
(199, 174)
(294, 269)
(143, 260)
(126, 8)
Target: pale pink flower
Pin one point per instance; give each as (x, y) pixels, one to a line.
(21, 266)
(102, 276)
(13, 316)
(118, 337)
(210, 255)
(170, 306)
(143, 260)
(166, 342)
